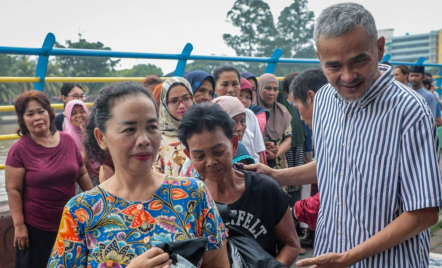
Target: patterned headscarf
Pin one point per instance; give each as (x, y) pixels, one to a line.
(230, 104)
(72, 130)
(168, 124)
(280, 117)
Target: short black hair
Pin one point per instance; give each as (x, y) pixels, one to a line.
(429, 75)
(427, 82)
(204, 116)
(311, 79)
(225, 68)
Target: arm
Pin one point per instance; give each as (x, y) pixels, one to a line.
(287, 238)
(407, 225)
(439, 121)
(262, 121)
(216, 258)
(14, 186)
(262, 158)
(84, 180)
(284, 147)
(305, 174)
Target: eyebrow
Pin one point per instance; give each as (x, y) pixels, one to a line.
(360, 56)
(153, 120)
(39, 108)
(188, 94)
(200, 151)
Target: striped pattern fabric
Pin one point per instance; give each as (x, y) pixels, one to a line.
(376, 158)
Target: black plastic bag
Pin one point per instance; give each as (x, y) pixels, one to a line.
(185, 253)
(244, 251)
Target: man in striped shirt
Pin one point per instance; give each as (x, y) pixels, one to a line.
(377, 153)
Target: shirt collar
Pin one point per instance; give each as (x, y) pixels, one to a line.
(383, 82)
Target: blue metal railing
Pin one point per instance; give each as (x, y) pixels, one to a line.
(47, 50)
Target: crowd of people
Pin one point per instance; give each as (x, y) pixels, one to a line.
(350, 151)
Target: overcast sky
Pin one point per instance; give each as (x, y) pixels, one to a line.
(165, 26)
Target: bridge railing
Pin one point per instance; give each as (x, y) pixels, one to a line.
(47, 51)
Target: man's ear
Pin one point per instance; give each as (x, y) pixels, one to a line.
(100, 139)
(381, 45)
(317, 54)
(187, 153)
(311, 95)
(234, 140)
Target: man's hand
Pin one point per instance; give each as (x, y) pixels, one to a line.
(329, 260)
(260, 168)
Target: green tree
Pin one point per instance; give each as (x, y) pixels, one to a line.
(86, 66)
(257, 29)
(140, 70)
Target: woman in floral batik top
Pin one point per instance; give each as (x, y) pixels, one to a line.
(119, 222)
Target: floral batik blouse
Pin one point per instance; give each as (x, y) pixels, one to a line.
(171, 156)
(99, 229)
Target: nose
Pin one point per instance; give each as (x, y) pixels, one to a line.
(347, 75)
(142, 139)
(181, 106)
(210, 161)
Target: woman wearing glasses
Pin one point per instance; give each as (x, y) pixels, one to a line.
(175, 99)
(69, 91)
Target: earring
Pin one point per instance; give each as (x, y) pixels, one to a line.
(103, 148)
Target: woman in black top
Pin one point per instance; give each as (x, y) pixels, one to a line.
(69, 91)
(262, 208)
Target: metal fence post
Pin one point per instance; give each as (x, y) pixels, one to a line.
(42, 64)
(386, 58)
(181, 66)
(270, 69)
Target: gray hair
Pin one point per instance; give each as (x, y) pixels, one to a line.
(339, 19)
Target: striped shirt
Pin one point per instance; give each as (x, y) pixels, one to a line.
(375, 158)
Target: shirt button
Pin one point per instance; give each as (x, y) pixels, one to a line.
(339, 232)
(349, 115)
(339, 204)
(342, 174)
(140, 207)
(344, 144)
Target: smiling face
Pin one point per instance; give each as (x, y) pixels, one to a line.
(180, 94)
(228, 84)
(212, 153)
(204, 92)
(132, 134)
(36, 119)
(350, 62)
(78, 116)
(270, 93)
(245, 96)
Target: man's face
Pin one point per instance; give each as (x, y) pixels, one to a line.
(416, 80)
(306, 112)
(350, 62)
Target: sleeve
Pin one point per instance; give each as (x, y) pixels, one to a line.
(258, 139)
(420, 176)
(76, 254)
(306, 210)
(287, 132)
(14, 158)
(262, 121)
(438, 112)
(211, 223)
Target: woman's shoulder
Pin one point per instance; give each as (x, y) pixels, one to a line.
(263, 182)
(186, 183)
(88, 198)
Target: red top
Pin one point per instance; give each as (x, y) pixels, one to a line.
(49, 183)
(307, 209)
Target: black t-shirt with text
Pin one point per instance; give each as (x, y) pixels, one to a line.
(259, 209)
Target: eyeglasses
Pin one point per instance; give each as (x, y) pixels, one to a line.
(78, 97)
(175, 102)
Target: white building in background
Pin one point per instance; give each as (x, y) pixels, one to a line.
(410, 48)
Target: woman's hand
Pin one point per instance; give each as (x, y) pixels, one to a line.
(270, 155)
(153, 258)
(21, 238)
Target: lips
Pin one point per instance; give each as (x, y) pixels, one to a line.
(142, 156)
(352, 87)
(39, 125)
(214, 172)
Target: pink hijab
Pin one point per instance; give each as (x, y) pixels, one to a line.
(72, 130)
(230, 104)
